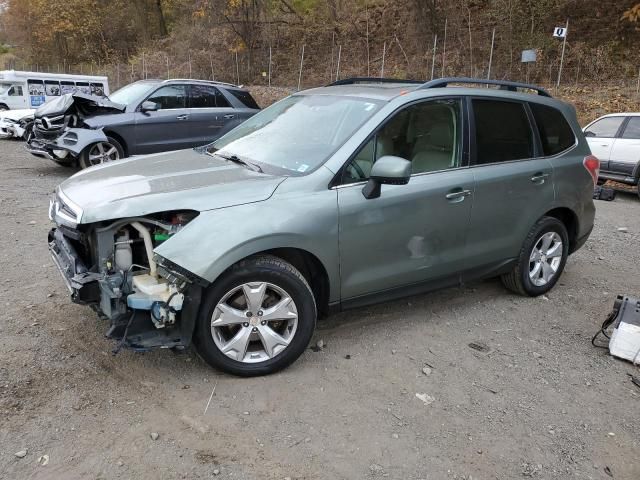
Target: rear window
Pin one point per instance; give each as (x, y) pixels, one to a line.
(555, 132)
(503, 131)
(245, 98)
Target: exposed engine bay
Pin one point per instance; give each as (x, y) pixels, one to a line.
(111, 267)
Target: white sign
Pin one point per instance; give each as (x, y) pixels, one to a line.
(560, 32)
(528, 56)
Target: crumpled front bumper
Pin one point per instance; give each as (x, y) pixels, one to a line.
(81, 283)
(71, 140)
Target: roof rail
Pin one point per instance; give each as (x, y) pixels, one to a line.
(503, 84)
(354, 80)
(214, 82)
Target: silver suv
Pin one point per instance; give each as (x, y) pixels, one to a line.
(336, 197)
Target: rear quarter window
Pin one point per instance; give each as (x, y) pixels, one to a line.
(556, 134)
(245, 98)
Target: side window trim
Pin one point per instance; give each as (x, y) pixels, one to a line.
(464, 139)
(472, 120)
(538, 150)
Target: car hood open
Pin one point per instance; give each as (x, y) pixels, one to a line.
(180, 180)
(84, 103)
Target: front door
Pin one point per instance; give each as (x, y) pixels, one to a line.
(167, 128)
(412, 233)
(514, 188)
(601, 135)
(625, 153)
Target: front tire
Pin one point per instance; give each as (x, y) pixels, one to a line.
(257, 318)
(542, 259)
(101, 152)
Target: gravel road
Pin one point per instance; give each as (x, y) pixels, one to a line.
(535, 400)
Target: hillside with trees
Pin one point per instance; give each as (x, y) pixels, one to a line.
(234, 40)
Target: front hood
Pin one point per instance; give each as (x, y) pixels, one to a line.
(84, 103)
(180, 180)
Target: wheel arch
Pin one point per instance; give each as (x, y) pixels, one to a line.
(119, 139)
(311, 268)
(570, 220)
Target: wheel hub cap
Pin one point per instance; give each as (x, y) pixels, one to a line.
(254, 322)
(545, 258)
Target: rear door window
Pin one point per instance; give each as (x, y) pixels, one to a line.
(170, 97)
(556, 134)
(245, 98)
(605, 127)
(503, 131)
(632, 129)
(205, 96)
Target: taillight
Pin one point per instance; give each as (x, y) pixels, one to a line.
(592, 164)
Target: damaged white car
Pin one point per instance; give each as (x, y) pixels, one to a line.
(16, 123)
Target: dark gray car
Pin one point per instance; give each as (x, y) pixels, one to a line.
(144, 117)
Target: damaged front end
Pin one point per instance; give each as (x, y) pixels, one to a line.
(59, 130)
(111, 267)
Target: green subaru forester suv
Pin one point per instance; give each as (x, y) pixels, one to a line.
(336, 197)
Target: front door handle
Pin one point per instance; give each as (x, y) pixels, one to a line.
(184, 116)
(229, 116)
(539, 177)
(458, 195)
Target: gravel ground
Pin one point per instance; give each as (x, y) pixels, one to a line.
(537, 400)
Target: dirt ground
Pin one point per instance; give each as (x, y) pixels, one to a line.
(539, 401)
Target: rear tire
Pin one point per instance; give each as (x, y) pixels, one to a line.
(284, 305)
(542, 259)
(108, 151)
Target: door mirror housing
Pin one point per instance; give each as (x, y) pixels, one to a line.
(149, 106)
(388, 170)
(589, 134)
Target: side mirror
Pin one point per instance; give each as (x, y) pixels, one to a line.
(388, 170)
(148, 106)
(589, 134)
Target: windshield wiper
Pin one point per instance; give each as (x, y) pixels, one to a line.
(238, 160)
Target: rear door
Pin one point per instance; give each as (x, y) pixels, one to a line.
(601, 135)
(168, 127)
(625, 153)
(513, 187)
(209, 114)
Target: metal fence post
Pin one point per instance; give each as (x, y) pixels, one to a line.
(269, 65)
(493, 37)
(384, 52)
(564, 44)
(444, 45)
(300, 73)
(237, 69)
(339, 56)
(433, 59)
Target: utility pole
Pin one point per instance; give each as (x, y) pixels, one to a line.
(564, 45)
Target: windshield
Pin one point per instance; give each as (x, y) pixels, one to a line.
(297, 134)
(131, 93)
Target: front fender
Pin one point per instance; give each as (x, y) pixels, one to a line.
(217, 239)
(75, 140)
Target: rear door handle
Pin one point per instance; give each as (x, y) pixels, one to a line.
(458, 195)
(184, 116)
(229, 116)
(539, 177)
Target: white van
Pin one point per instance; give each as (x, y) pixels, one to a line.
(32, 89)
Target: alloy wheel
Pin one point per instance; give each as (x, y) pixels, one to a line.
(254, 322)
(545, 258)
(103, 152)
